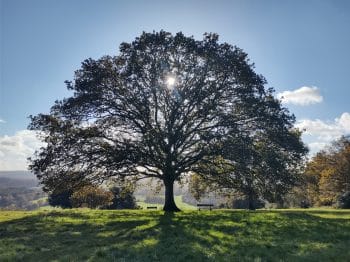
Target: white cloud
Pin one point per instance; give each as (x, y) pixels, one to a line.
(324, 132)
(316, 147)
(14, 150)
(344, 122)
(2, 121)
(303, 96)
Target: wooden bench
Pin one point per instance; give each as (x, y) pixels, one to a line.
(205, 205)
(152, 207)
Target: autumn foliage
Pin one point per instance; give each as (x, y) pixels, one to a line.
(328, 173)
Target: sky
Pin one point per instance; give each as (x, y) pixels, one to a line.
(301, 47)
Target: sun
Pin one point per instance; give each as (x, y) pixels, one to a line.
(170, 80)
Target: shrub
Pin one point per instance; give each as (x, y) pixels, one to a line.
(122, 199)
(344, 200)
(244, 204)
(60, 198)
(305, 204)
(91, 196)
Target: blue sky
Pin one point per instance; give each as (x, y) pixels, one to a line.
(301, 47)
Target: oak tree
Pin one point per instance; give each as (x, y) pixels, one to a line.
(165, 106)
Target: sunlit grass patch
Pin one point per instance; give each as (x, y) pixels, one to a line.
(141, 235)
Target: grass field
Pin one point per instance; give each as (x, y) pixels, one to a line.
(219, 235)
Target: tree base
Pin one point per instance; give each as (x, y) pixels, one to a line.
(169, 204)
(171, 208)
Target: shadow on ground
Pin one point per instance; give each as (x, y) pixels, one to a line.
(185, 236)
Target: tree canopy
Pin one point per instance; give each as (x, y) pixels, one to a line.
(328, 173)
(168, 105)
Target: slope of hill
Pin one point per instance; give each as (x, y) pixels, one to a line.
(18, 179)
(18, 190)
(19, 174)
(220, 235)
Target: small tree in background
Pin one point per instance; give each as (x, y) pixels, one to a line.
(344, 200)
(61, 186)
(91, 197)
(197, 186)
(122, 199)
(60, 198)
(328, 173)
(265, 165)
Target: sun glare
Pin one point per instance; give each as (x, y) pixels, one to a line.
(170, 81)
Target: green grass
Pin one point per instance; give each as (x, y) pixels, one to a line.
(183, 205)
(37, 201)
(219, 235)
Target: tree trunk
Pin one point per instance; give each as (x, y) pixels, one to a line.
(280, 202)
(169, 204)
(251, 200)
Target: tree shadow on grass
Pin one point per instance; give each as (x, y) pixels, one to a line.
(175, 241)
(291, 236)
(110, 236)
(184, 236)
(64, 236)
(307, 236)
(247, 236)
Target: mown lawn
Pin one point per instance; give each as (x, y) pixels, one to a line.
(220, 235)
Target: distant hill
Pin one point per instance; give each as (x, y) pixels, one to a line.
(20, 174)
(18, 179)
(20, 190)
